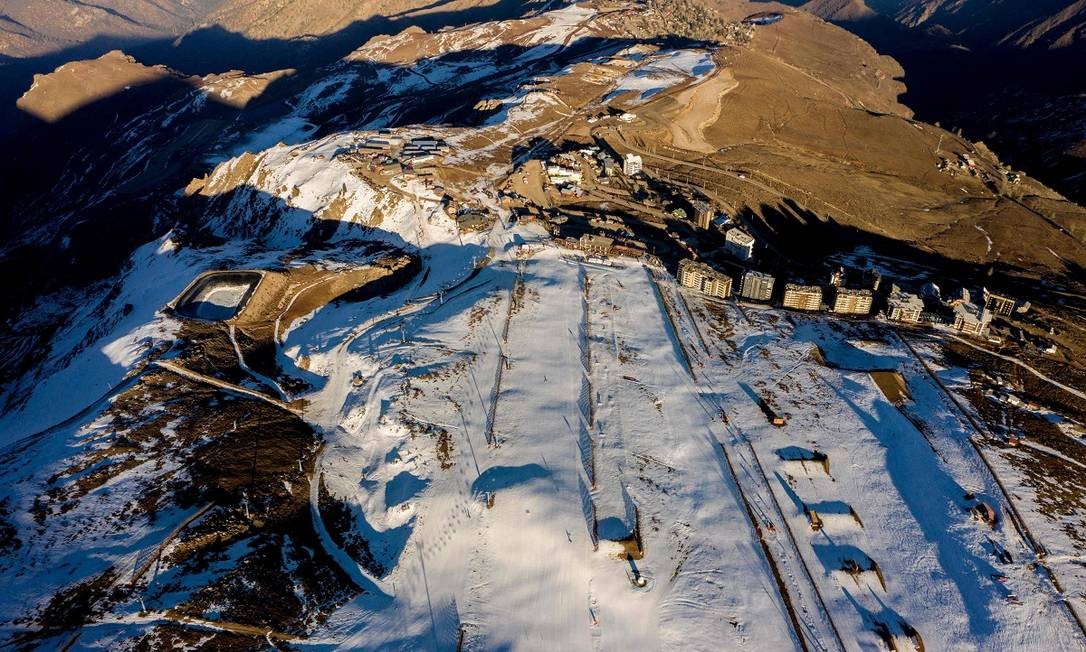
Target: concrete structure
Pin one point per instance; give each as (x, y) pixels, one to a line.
(971, 319)
(999, 304)
(474, 221)
(423, 147)
(757, 286)
(849, 301)
(217, 295)
(704, 279)
(631, 165)
(958, 297)
(561, 175)
(739, 243)
(382, 143)
(599, 245)
(904, 307)
(802, 297)
(703, 213)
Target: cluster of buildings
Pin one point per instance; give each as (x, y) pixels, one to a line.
(389, 153)
(897, 305)
(602, 246)
(566, 170)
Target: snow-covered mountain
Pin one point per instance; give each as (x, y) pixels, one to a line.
(327, 356)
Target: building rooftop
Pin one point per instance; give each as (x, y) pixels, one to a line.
(901, 299)
(971, 313)
(854, 292)
(739, 236)
(699, 266)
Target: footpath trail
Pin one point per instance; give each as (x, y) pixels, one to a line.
(227, 386)
(1050, 381)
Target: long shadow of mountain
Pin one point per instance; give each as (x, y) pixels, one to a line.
(1006, 96)
(215, 49)
(42, 148)
(88, 189)
(239, 454)
(803, 240)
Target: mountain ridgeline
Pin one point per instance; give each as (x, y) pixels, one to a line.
(1012, 74)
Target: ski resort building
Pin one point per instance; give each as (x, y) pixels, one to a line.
(703, 213)
(849, 301)
(999, 304)
(757, 286)
(904, 307)
(598, 245)
(382, 143)
(561, 175)
(631, 165)
(802, 297)
(971, 319)
(739, 243)
(704, 279)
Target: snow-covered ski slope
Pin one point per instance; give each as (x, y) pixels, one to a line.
(489, 443)
(490, 428)
(481, 398)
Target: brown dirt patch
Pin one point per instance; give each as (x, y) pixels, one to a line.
(892, 385)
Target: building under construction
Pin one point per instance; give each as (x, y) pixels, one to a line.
(999, 304)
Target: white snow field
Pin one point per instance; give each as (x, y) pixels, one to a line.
(657, 73)
(495, 439)
(895, 487)
(529, 571)
(547, 453)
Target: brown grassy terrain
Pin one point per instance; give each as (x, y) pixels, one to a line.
(821, 127)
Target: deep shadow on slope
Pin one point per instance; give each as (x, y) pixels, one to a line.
(89, 213)
(804, 239)
(173, 445)
(1008, 97)
(214, 49)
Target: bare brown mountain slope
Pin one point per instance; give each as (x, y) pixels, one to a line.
(79, 83)
(1009, 73)
(1064, 29)
(978, 23)
(822, 143)
(839, 10)
(36, 27)
(263, 19)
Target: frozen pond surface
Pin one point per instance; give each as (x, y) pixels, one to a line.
(218, 296)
